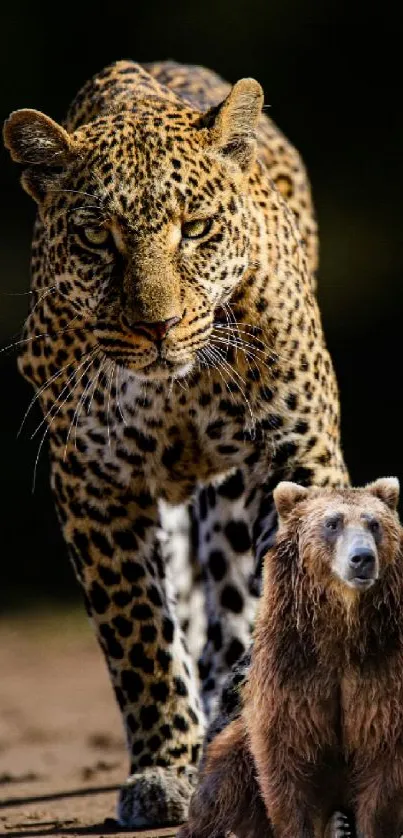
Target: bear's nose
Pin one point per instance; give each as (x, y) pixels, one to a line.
(156, 330)
(362, 562)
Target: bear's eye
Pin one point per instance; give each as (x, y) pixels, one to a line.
(94, 236)
(333, 524)
(374, 526)
(196, 229)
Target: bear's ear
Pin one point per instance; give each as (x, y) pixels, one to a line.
(38, 142)
(286, 495)
(233, 123)
(387, 490)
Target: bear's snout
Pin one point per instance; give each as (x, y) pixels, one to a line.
(362, 565)
(356, 560)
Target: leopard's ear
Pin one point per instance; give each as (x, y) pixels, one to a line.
(39, 143)
(233, 124)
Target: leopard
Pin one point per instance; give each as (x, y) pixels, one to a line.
(176, 349)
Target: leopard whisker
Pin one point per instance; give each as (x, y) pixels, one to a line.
(241, 331)
(42, 297)
(170, 388)
(55, 289)
(242, 322)
(249, 356)
(118, 405)
(96, 380)
(78, 192)
(48, 427)
(74, 373)
(183, 383)
(80, 406)
(235, 328)
(231, 372)
(269, 353)
(108, 403)
(145, 392)
(253, 326)
(216, 364)
(227, 315)
(247, 347)
(79, 401)
(44, 335)
(15, 293)
(39, 392)
(84, 207)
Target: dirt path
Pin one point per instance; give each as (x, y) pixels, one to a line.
(62, 755)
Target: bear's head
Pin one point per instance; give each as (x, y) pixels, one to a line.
(341, 537)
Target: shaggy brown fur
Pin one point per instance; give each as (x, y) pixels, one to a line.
(323, 706)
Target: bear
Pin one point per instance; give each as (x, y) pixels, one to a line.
(318, 743)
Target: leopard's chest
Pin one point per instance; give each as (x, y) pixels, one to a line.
(173, 447)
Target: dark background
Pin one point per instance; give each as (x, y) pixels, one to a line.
(332, 75)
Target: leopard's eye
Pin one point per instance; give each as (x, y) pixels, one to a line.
(196, 229)
(94, 236)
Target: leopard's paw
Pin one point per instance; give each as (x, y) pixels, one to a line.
(157, 797)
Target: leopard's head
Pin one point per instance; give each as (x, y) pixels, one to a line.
(145, 219)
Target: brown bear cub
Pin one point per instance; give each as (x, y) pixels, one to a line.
(322, 722)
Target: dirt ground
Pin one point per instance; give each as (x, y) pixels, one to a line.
(62, 755)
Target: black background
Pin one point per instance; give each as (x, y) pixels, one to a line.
(332, 75)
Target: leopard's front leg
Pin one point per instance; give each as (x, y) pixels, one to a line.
(225, 523)
(112, 533)
(237, 525)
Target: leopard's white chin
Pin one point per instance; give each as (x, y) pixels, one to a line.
(163, 370)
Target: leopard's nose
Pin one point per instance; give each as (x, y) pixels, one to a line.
(155, 330)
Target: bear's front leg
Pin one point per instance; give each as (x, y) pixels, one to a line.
(112, 533)
(288, 810)
(288, 781)
(379, 806)
(227, 798)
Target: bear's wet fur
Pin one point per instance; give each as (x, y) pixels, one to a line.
(321, 727)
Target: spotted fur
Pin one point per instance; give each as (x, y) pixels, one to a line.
(172, 367)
